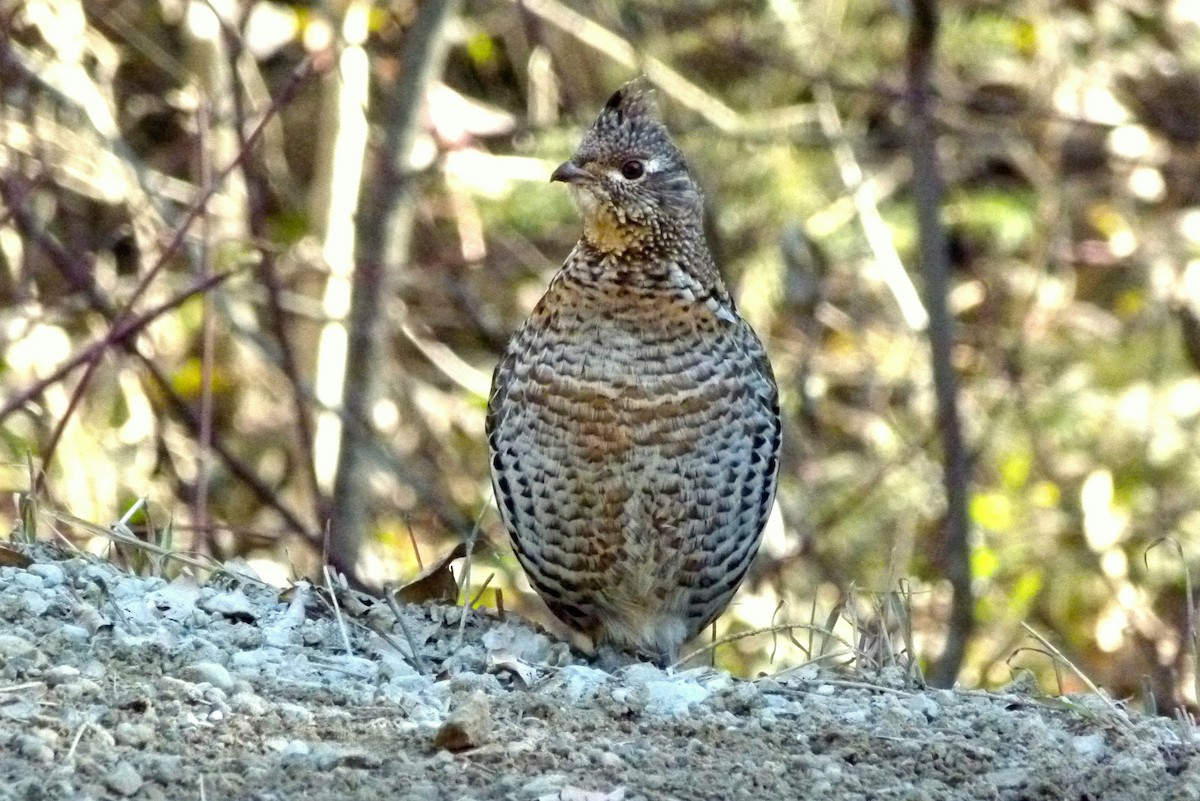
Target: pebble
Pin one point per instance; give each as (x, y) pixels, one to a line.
(13, 647)
(27, 580)
(925, 706)
(248, 703)
(294, 713)
(123, 779)
(1091, 746)
(34, 748)
(73, 633)
(547, 784)
(133, 734)
(468, 726)
(51, 575)
(673, 698)
(854, 716)
(61, 674)
(34, 602)
(216, 675)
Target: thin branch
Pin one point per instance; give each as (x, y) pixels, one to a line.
(935, 262)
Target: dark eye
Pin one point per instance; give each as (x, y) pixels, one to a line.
(633, 169)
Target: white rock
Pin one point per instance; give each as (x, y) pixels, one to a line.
(51, 575)
(1091, 746)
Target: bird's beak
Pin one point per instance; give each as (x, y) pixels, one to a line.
(569, 172)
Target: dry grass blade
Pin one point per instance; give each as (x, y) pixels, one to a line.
(337, 608)
(389, 595)
(741, 635)
(1117, 712)
(125, 537)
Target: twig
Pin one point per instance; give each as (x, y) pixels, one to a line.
(389, 593)
(207, 338)
(879, 237)
(670, 82)
(1193, 636)
(253, 174)
(337, 609)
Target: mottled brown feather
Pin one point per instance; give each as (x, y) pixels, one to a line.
(634, 419)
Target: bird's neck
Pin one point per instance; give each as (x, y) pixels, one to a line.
(672, 265)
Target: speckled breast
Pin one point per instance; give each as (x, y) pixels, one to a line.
(634, 438)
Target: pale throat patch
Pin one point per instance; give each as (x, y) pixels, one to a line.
(603, 229)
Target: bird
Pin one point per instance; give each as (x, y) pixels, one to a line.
(633, 421)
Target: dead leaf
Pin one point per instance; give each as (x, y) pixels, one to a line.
(507, 660)
(436, 582)
(13, 558)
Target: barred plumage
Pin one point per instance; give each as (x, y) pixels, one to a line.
(633, 423)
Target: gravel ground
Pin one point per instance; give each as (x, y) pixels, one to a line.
(117, 686)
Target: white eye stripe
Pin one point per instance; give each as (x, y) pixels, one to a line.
(651, 165)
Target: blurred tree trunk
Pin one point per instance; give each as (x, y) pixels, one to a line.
(385, 216)
(935, 263)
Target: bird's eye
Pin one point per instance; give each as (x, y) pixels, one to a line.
(633, 169)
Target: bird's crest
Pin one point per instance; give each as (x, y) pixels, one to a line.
(632, 100)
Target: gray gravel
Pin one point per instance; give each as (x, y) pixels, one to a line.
(118, 686)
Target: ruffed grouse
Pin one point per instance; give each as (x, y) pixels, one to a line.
(633, 422)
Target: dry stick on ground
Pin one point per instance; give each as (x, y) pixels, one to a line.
(385, 225)
(935, 262)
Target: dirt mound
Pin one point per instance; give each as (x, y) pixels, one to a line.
(118, 686)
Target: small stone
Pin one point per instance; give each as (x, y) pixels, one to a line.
(73, 633)
(133, 734)
(294, 713)
(51, 575)
(549, 784)
(854, 716)
(27, 580)
(231, 603)
(1090, 746)
(249, 704)
(673, 698)
(13, 647)
(34, 749)
(926, 706)
(212, 673)
(34, 602)
(123, 779)
(162, 768)
(61, 674)
(468, 726)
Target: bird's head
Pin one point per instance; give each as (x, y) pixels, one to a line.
(629, 180)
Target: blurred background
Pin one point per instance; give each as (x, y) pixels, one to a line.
(258, 260)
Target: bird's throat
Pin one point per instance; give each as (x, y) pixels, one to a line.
(609, 235)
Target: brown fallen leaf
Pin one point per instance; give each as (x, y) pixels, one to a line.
(436, 582)
(10, 557)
